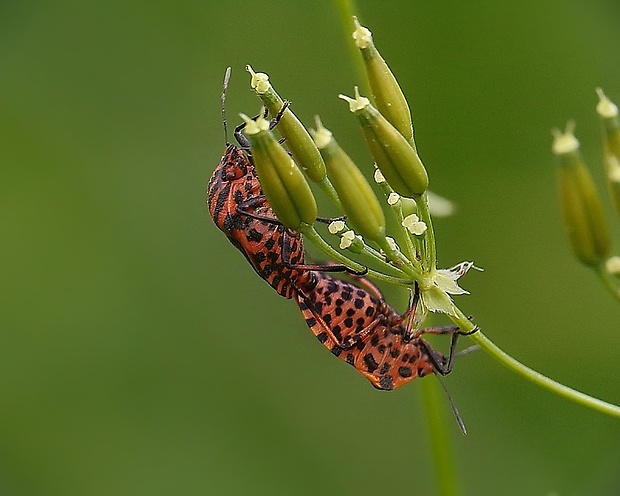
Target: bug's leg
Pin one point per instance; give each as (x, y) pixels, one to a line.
(274, 122)
(260, 201)
(409, 315)
(441, 365)
(329, 220)
(286, 257)
(240, 137)
(243, 208)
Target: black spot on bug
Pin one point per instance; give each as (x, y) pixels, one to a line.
(238, 197)
(336, 350)
(369, 311)
(370, 362)
(358, 303)
(322, 337)
(386, 383)
(310, 321)
(385, 368)
(348, 322)
(405, 372)
(350, 358)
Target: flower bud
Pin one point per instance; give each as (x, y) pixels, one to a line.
(282, 181)
(290, 127)
(581, 206)
(352, 242)
(398, 161)
(608, 112)
(386, 92)
(359, 202)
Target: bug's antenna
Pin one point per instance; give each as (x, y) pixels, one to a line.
(455, 410)
(223, 101)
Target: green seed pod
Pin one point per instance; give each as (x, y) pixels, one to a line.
(359, 202)
(386, 92)
(581, 206)
(290, 127)
(608, 112)
(397, 159)
(282, 181)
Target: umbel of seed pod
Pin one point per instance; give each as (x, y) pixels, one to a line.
(359, 201)
(283, 183)
(608, 112)
(290, 127)
(397, 159)
(386, 92)
(581, 206)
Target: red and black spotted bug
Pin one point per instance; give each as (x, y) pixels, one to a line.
(239, 208)
(355, 325)
(364, 331)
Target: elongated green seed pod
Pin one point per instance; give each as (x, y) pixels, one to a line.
(397, 159)
(582, 210)
(358, 199)
(283, 183)
(297, 138)
(386, 92)
(608, 112)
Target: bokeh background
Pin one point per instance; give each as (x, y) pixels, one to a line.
(140, 354)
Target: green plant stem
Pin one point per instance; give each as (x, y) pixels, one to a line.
(536, 377)
(607, 281)
(429, 255)
(410, 248)
(439, 438)
(311, 233)
(331, 193)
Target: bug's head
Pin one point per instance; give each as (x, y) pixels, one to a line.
(234, 164)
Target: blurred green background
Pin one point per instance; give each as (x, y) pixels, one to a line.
(140, 354)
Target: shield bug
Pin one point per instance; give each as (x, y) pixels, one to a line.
(239, 208)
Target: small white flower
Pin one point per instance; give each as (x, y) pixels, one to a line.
(436, 298)
(346, 239)
(393, 198)
(612, 265)
(613, 172)
(379, 177)
(392, 242)
(414, 225)
(336, 226)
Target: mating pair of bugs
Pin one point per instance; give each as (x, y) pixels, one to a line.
(351, 319)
